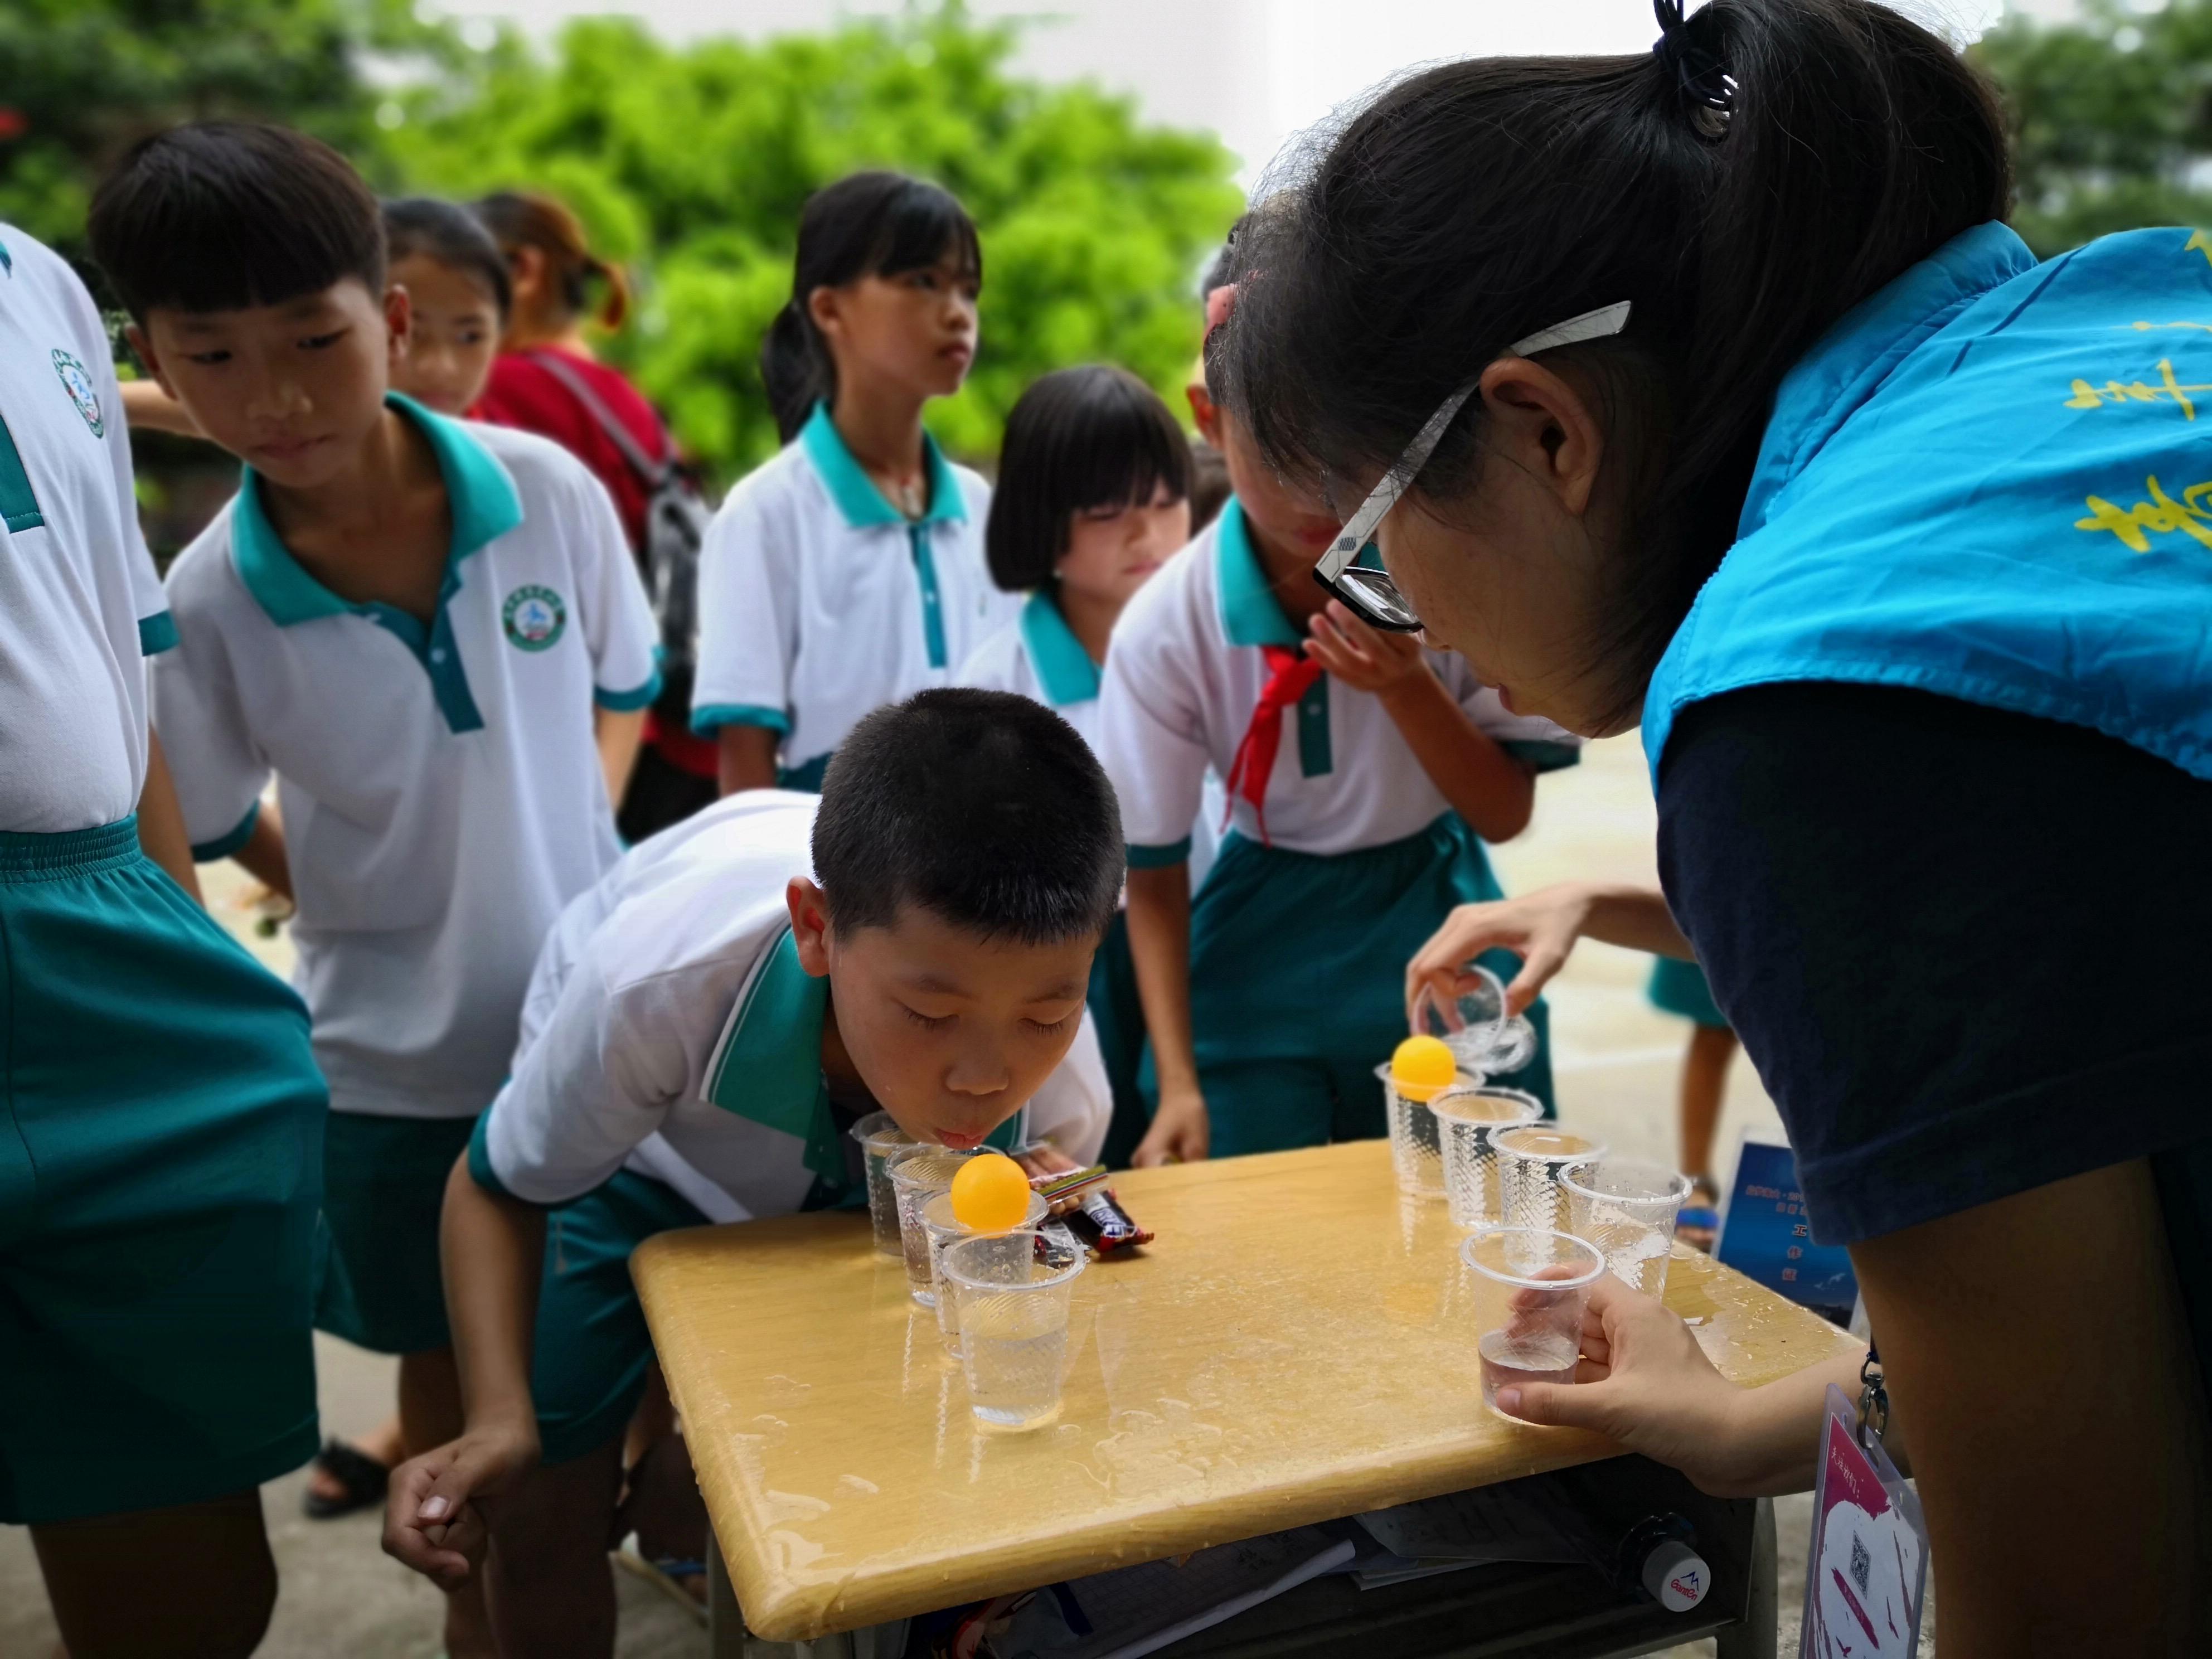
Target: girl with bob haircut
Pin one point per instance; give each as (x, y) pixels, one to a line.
(848, 572)
(1093, 496)
(1707, 389)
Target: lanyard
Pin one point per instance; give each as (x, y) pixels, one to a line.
(1874, 1398)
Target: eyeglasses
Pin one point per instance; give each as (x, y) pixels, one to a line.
(1367, 588)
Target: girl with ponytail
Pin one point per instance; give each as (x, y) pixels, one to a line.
(1706, 390)
(849, 572)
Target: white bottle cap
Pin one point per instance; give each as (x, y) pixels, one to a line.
(1676, 1576)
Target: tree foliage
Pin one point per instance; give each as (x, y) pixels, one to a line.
(2112, 117)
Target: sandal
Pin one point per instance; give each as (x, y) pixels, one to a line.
(1699, 1223)
(362, 1477)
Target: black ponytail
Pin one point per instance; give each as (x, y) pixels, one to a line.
(869, 224)
(1770, 164)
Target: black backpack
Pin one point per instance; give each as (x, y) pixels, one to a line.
(676, 518)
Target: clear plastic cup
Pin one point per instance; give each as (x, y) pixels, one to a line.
(1468, 1117)
(918, 1174)
(1530, 1287)
(1416, 1153)
(1013, 1325)
(1469, 1023)
(942, 1228)
(1626, 1206)
(880, 1136)
(1530, 1161)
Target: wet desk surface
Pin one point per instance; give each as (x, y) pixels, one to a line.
(1295, 1347)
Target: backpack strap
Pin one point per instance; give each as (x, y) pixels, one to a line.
(655, 473)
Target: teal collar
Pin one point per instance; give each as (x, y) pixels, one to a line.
(1063, 667)
(485, 507)
(769, 1068)
(1250, 614)
(855, 493)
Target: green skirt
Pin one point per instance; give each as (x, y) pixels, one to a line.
(1297, 969)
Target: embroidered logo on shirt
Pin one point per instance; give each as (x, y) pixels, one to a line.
(77, 381)
(533, 618)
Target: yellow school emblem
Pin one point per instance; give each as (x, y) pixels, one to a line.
(533, 618)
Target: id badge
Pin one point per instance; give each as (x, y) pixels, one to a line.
(1867, 1569)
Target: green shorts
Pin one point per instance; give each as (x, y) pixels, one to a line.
(1298, 970)
(161, 1166)
(1680, 988)
(1118, 1016)
(593, 1347)
(384, 1188)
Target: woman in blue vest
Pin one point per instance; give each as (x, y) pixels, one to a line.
(1898, 546)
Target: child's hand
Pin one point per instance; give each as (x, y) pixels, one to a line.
(1644, 1381)
(433, 1510)
(1179, 1134)
(1365, 659)
(1541, 927)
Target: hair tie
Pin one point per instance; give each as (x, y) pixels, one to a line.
(1701, 80)
(1219, 305)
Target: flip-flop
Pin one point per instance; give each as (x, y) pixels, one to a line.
(363, 1478)
(666, 1574)
(1698, 1222)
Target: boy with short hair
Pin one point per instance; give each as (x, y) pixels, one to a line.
(703, 1029)
(160, 1115)
(409, 621)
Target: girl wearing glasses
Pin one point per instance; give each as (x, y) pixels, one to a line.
(1893, 540)
(1363, 774)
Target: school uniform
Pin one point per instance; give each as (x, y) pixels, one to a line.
(819, 601)
(1679, 987)
(442, 797)
(669, 1074)
(160, 1143)
(1326, 884)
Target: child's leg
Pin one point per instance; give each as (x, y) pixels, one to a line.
(430, 1415)
(194, 1580)
(1705, 1087)
(552, 1589)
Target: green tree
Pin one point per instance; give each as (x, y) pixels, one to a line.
(2112, 117)
(691, 164)
(82, 80)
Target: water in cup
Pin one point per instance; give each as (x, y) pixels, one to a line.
(1509, 1360)
(1013, 1347)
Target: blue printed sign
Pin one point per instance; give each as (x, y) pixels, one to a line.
(1766, 1237)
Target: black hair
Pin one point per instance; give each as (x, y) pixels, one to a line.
(218, 216)
(867, 224)
(1774, 164)
(450, 235)
(981, 807)
(1210, 489)
(1076, 439)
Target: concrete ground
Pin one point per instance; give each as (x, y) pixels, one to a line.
(1614, 1056)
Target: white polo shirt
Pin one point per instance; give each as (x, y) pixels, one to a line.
(819, 602)
(80, 606)
(1183, 677)
(670, 1030)
(441, 787)
(1038, 656)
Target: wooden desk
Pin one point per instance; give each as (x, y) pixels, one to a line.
(1294, 1348)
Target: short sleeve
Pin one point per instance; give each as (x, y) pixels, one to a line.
(597, 1078)
(1964, 947)
(200, 718)
(1074, 1104)
(1536, 742)
(618, 625)
(1151, 737)
(748, 617)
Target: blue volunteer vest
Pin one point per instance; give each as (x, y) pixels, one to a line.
(1991, 480)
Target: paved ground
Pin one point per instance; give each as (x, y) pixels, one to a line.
(1615, 1058)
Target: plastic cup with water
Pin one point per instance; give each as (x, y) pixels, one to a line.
(944, 1228)
(1626, 1206)
(918, 1174)
(1468, 1117)
(1530, 1161)
(1530, 1287)
(880, 1136)
(1013, 1310)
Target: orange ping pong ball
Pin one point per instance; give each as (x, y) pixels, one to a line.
(990, 1194)
(1422, 1067)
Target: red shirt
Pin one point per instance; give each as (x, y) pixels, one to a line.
(523, 393)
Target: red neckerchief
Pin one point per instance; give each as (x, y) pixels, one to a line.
(1291, 676)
